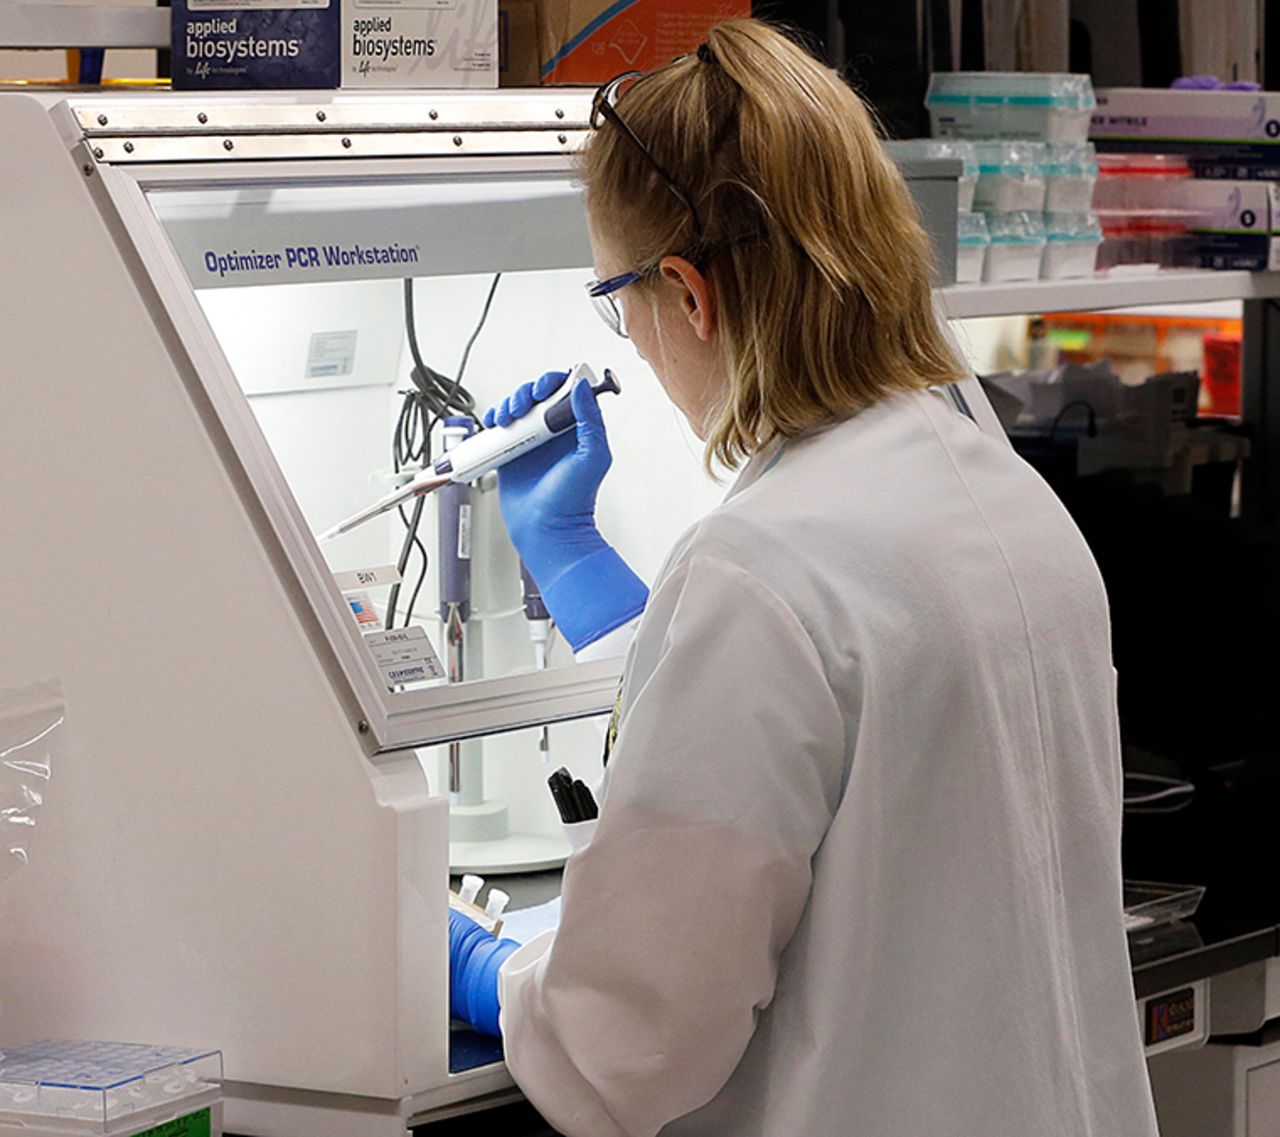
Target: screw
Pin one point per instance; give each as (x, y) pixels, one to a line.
(88, 170)
(227, 144)
(321, 116)
(457, 139)
(202, 118)
(128, 147)
(563, 138)
(363, 726)
(433, 115)
(102, 120)
(97, 152)
(559, 113)
(346, 143)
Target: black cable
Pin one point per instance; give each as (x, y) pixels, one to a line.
(432, 398)
(406, 549)
(1091, 429)
(475, 335)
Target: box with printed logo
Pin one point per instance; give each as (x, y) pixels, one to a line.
(419, 43)
(1229, 224)
(255, 44)
(1224, 134)
(591, 41)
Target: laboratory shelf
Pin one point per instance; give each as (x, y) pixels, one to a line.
(1116, 290)
(27, 25)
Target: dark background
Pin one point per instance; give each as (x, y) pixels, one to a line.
(1121, 43)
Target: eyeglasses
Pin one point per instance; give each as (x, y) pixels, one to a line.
(603, 109)
(605, 302)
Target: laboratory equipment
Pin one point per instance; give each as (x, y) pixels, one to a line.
(540, 626)
(1071, 171)
(994, 104)
(484, 452)
(254, 844)
(62, 1088)
(1149, 904)
(454, 529)
(1071, 246)
(1017, 244)
(1012, 176)
(972, 242)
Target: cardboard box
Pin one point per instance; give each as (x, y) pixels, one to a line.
(591, 41)
(518, 44)
(244, 44)
(1226, 134)
(415, 44)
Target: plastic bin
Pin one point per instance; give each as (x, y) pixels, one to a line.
(921, 148)
(1148, 904)
(995, 104)
(972, 242)
(1071, 171)
(1139, 181)
(1017, 246)
(1142, 238)
(109, 1089)
(1011, 176)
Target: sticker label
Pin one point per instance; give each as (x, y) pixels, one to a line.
(193, 1125)
(366, 578)
(1171, 1016)
(464, 532)
(404, 655)
(363, 610)
(331, 354)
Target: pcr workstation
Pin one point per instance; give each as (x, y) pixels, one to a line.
(238, 324)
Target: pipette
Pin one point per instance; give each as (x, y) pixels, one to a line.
(474, 457)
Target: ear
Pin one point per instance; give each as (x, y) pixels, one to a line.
(697, 295)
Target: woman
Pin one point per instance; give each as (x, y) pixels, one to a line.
(857, 868)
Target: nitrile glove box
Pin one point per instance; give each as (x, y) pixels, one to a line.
(1230, 225)
(1226, 134)
(255, 44)
(415, 44)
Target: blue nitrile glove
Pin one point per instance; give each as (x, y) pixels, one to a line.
(475, 958)
(549, 503)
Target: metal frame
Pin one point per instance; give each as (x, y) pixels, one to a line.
(220, 129)
(386, 722)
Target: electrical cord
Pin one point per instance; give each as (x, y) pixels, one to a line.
(432, 398)
(1091, 428)
(1149, 789)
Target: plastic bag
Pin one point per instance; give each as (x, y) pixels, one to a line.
(31, 736)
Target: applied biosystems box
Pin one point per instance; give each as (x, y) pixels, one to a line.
(419, 43)
(109, 1089)
(255, 44)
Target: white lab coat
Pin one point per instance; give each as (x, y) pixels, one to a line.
(857, 871)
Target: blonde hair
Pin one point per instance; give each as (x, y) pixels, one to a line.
(809, 237)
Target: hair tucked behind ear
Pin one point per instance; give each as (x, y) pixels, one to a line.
(810, 237)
